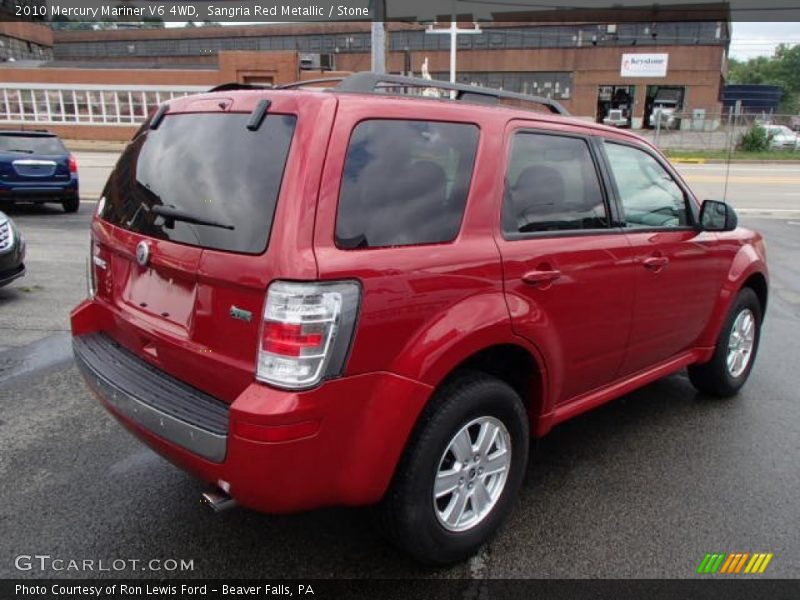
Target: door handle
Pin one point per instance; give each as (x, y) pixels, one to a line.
(655, 263)
(540, 277)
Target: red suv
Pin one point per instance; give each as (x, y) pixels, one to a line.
(355, 296)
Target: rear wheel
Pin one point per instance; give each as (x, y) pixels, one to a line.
(461, 471)
(71, 205)
(728, 370)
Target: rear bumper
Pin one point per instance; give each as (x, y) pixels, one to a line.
(274, 451)
(141, 393)
(39, 192)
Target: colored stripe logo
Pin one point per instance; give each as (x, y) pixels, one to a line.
(734, 563)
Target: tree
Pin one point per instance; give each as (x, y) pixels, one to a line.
(60, 22)
(781, 69)
(153, 23)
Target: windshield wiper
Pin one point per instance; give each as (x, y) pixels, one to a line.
(171, 215)
(20, 150)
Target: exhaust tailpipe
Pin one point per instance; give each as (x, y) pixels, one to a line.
(218, 500)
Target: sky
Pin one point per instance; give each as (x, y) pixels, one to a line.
(760, 39)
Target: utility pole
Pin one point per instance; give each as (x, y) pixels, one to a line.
(453, 31)
(378, 64)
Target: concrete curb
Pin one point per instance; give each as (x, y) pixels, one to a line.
(688, 161)
(94, 145)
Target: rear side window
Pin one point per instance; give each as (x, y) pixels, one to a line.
(405, 182)
(551, 185)
(208, 166)
(31, 144)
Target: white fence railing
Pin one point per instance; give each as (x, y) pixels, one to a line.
(84, 104)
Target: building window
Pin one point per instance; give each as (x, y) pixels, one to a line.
(47, 104)
(556, 85)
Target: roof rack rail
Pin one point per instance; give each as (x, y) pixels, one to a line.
(225, 87)
(368, 82)
(297, 84)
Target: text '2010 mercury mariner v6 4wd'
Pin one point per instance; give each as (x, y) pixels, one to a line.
(356, 296)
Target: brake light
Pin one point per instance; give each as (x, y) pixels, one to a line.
(289, 340)
(306, 332)
(73, 164)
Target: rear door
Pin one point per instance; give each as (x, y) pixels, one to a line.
(678, 268)
(200, 214)
(567, 268)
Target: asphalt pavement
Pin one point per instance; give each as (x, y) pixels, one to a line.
(642, 487)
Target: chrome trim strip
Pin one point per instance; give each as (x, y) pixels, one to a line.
(199, 441)
(32, 162)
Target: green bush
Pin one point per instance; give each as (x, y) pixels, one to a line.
(754, 140)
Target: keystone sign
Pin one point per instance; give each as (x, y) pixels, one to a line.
(644, 65)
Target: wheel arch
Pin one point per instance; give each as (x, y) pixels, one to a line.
(758, 283)
(748, 269)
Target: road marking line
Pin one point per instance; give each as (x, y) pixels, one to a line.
(767, 210)
(740, 179)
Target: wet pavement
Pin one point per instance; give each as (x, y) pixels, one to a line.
(641, 487)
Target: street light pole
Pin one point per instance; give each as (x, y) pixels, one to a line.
(378, 63)
(453, 31)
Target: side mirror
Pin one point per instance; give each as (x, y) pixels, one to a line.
(717, 216)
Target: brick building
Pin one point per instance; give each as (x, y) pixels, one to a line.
(591, 68)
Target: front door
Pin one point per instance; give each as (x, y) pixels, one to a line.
(678, 272)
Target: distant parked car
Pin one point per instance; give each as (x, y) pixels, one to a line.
(12, 251)
(782, 138)
(36, 167)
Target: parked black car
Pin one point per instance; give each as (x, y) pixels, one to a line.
(36, 167)
(12, 251)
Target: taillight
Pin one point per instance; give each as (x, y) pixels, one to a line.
(306, 332)
(73, 164)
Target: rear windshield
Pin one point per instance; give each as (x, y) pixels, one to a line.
(210, 167)
(31, 144)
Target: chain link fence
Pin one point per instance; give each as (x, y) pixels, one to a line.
(699, 130)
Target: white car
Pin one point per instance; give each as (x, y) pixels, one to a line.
(782, 138)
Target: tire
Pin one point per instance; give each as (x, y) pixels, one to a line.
(71, 205)
(410, 517)
(716, 377)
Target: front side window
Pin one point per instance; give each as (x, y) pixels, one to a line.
(551, 185)
(405, 182)
(649, 195)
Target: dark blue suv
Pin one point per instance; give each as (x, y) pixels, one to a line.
(36, 167)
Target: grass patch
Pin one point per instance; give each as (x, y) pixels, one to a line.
(735, 155)
(30, 288)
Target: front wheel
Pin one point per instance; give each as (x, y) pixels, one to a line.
(728, 370)
(461, 471)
